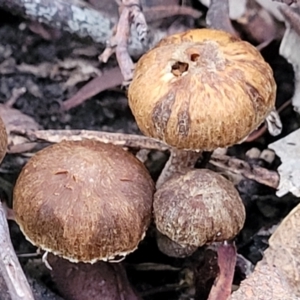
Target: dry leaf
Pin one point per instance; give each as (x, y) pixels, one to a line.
(236, 8)
(15, 120)
(289, 49)
(277, 276)
(71, 71)
(284, 249)
(288, 149)
(272, 7)
(78, 70)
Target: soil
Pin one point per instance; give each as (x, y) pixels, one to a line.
(108, 111)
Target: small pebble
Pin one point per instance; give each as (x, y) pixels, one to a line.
(253, 153)
(267, 155)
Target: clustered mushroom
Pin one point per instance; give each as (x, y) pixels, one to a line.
(84, 201)
(198, 91)
(88, 201)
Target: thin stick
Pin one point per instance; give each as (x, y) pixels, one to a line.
(10, 267)
(108, 79)
(72, 15)
(217, 16)
(119, 139)
(250, 171)
(223, 162)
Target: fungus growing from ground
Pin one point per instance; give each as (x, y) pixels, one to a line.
(84, 201)
(200, 90)
(198, 208)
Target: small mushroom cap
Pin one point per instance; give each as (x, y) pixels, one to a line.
(3, 140)
(84, 200)
(198, 208)
(201, 90)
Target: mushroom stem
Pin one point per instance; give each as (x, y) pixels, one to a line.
(221, 288)
(178, 161)
(10, 267)
(101, 280)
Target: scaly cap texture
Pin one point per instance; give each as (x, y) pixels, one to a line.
(201, 90)
(84, 200)
(198, 208)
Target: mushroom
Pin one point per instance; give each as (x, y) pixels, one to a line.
(84, 201)
(200, 90)
(198, 208)
(3, 140)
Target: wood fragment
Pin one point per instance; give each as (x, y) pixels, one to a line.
(109, 79)
(10, 267)
(74, 16)
(218, 16)
(119, 139)
(165, 11)
(288, 2)
(292, 16)
(120, 41)
(130, 15)
(223, 162)
(250, 171)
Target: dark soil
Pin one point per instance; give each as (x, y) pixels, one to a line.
(109, 111)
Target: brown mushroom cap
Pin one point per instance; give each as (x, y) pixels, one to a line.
(198, 208)
(84, 200)
(3, 140)
(201, 90)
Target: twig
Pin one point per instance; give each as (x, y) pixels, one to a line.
(130, 14)
(288, 2)
(250, 171)
(107, 80)
(10, 267)
(218, 16)
(165, 11)
(74, 16)
(221, 288)
(292, 16)
(259, 132)
(15, 95)
(235, 165)
(119, 139)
